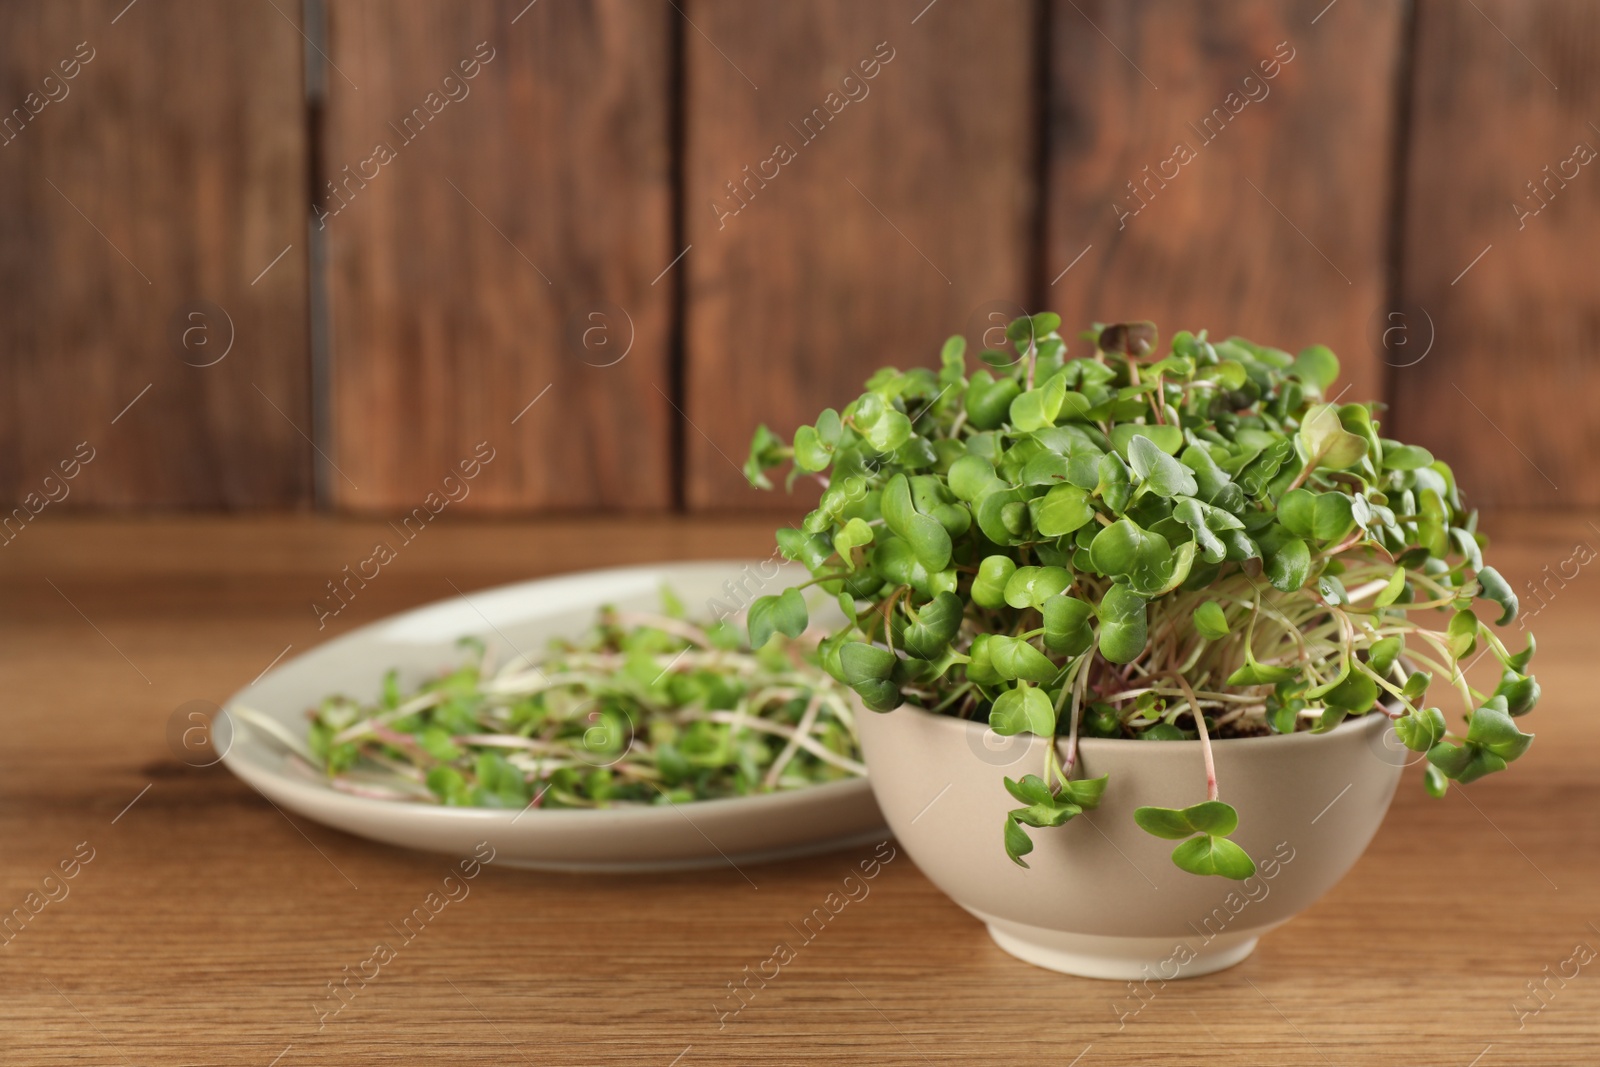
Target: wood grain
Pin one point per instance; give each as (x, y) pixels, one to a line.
(207, 926)
(1501, 222)
(507, 245)
(1264, 209)
(862, 239)
(132, 190)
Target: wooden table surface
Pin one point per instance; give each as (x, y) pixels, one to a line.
(202, 926)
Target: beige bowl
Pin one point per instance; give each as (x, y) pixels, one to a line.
(1103, 899)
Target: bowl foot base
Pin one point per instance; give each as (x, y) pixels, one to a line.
(1122, 958)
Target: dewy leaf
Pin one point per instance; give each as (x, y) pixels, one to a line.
(1158, 472)
(1493, 587)
(784, 613)
(1214, 855)
(1122, 624)
(1123, 549)
(1326, 443)
(1205, 522)
(1170, 575)
(1023, 709)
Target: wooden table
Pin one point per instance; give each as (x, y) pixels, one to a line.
(207, 926)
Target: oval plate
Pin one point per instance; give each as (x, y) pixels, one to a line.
(422, 644)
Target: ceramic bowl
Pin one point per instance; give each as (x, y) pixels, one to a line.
(1102, 898)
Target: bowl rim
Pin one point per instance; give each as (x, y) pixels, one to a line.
(1349, 726)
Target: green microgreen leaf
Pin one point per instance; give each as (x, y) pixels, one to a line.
(1493, 587)
(784, 613)
(1324, 442)
(1023, 709)
(1209, 854)
(1122, 624)
(1158, 472)
(934, 628)
(1066, 625)
(1062, 510)
(1210, 622)
(1030, 587)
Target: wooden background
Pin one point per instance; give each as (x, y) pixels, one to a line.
(548, 259)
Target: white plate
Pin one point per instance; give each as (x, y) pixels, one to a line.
(422, 644)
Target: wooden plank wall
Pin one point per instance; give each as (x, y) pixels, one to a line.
(1225, 167)
(506, 247)
(132, 251)
(637, 230)
(899, 196)
(1502, 215)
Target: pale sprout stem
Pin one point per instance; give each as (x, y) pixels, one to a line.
(1205, 738)
(803, 730)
